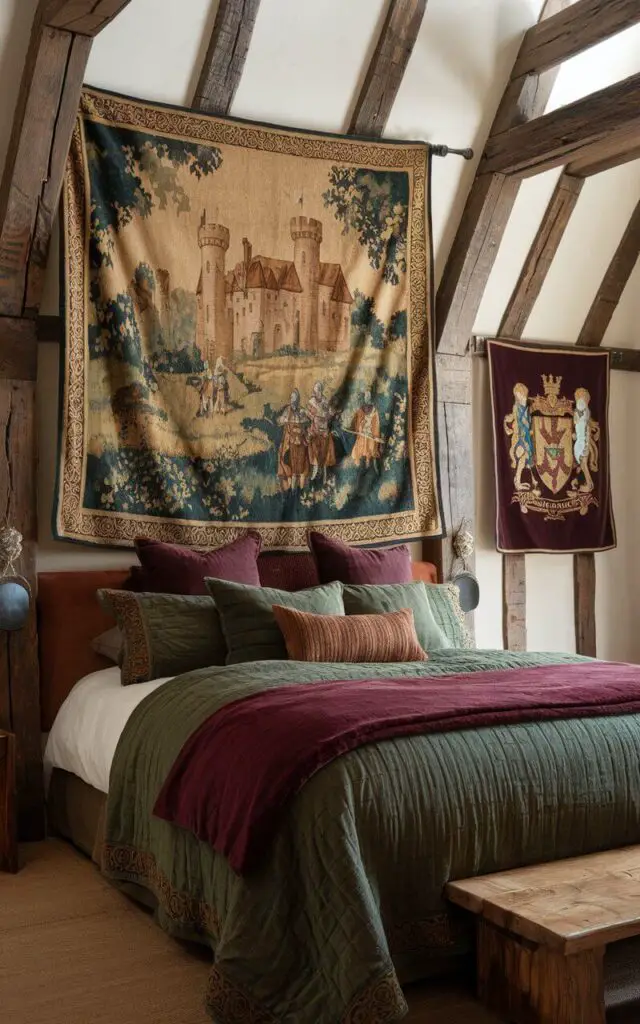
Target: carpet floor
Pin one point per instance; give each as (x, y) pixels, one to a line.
(75, 951)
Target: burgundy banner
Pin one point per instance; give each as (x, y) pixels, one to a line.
(551, 444)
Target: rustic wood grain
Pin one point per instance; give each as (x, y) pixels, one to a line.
(83, 17)
(485, 217)
(613, 284)
(387, 67)
(603, 156)
(569, 905)
(455, 433)
(556, 138)
(18, 348)
(18, 462)
(8, 834)
(227, 52)
(584, 603)
(529, 985)
(620, 358)
(514, 603)
(47, 203)
(27, 162)
(571, 31)
(540, 256)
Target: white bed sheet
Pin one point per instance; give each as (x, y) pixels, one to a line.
(87, 728)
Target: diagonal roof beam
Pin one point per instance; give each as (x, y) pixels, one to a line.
(387, 67)
(552, 140)
(571, 31)
(84, 17)
(227, 52)
(613, 284)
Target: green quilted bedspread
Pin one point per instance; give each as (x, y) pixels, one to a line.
(348, 904)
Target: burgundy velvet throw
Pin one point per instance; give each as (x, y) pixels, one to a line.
(551, 443)
(239, 770)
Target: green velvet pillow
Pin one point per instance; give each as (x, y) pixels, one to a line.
(444, 599)
(375, 599)
(247, 618)
(164, 634)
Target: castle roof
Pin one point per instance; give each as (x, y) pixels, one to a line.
(331, 276)
(264, 272)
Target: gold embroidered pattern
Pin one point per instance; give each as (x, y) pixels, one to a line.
(137, 664)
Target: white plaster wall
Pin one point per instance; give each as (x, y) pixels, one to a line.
(304, 66)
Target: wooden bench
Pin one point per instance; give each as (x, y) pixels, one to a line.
(542, 932)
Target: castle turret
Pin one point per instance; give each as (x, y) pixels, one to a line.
(213, 240)
(307, 236)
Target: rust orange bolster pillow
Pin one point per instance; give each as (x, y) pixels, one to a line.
(365, 638)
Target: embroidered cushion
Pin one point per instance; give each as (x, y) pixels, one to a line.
(353, 638)
(444, 601)
(291, 570)
(375, 600)
(338, 561)
(175, 569)
(164, 634)
(248, 622)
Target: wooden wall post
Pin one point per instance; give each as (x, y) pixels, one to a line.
(29, 193)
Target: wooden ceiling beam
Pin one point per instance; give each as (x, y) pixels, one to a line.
(613, 284)
(485, 217)
(571, 31)
(557, 138)
(540, 256)
(387, 67)
(227, 52)
(605, 155)
(84, 17)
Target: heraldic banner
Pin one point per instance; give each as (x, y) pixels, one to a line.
(551, 444)
(248, 332)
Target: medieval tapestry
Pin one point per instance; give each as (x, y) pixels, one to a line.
(551, 444)
(248, 332)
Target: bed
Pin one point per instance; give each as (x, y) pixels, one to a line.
(347, 904)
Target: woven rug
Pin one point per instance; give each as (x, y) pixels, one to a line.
(248, 332)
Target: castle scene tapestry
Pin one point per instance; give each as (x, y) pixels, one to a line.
(551, 444)
(248, 332)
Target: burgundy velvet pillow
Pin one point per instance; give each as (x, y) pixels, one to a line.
(337, 561)
(174, 569)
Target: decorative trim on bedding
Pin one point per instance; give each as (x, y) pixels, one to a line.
(136, 660)
(380, 1002)
(454, 595)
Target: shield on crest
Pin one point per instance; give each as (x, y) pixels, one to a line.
(552, 440)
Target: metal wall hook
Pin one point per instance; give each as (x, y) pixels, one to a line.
(439, 150)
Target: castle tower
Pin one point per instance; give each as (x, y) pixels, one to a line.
(307, 236)
(213, 240)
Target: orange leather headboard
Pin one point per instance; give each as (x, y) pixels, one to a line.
(69, 618)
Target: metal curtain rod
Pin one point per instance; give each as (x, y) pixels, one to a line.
(466, 154)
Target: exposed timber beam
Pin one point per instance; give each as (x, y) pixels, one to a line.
(224, 62)
(571, 31)
(540, 256)
(514, 603)
(605, 117)
(584, 603)
(627, 359)
(83, 17)
(29, 192)
(485, 217)
(613, 284)
(604, 156)
(387, 67)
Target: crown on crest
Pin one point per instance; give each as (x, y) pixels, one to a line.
(551, 385)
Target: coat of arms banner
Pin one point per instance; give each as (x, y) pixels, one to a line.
(551, 444)
(248, 332)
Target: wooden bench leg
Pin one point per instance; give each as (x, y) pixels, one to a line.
(529, 984)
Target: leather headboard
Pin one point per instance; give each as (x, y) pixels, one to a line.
(69, 618)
